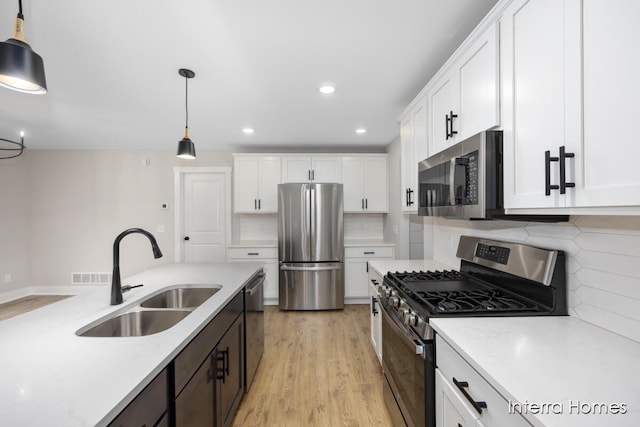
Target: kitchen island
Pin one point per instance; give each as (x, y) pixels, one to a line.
(53, 377)
(552, 370)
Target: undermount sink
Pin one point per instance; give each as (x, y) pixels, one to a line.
(136, 323)
(154, 314)
(180, 298)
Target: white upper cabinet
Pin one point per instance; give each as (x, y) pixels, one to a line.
(570, 91)
(413, 138)
(364, 182)
(463, 98)
(255, 183)
(311, 169)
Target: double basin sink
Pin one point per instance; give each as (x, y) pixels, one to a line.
(154, 314)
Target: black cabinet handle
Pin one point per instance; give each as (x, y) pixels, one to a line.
(369, 252)
(259, 203)
(373, 305)
(374, 281)
(453, 116)
(313, 175)
(309, 174)
(362, 202)
(219, 357)
(255, 204)
(410, 198)
(446, 126)
(547, 173)
(366, 203)
(253, 253)
(462, 386)
(186, 238)
(563, 170)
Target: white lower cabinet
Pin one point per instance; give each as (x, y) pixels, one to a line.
(266, 255)
(464, 398)
(356, 270)
(375, 279)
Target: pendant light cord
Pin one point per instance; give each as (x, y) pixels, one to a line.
(186, 102)
(20, 15)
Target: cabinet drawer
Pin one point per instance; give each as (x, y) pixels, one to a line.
(188, 361)
(369, 252)
(252, 253)
(452, 365)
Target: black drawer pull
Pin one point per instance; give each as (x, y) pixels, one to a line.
(462, 386)
(373, 305)
(563, 170)
(369, 252)
(547, 173)
(253, 253)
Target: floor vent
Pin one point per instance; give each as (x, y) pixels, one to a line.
(90, 278)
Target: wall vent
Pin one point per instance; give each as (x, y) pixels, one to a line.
(90, 278)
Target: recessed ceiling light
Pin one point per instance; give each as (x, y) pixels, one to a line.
(248, 131)
(327, 89)
(361, 130)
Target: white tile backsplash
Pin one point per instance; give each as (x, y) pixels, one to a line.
(603, 259)
(363, 226)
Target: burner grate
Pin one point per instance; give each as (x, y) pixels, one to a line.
(420, 276)
(474, 301)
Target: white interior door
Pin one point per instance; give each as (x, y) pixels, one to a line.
(203, 226)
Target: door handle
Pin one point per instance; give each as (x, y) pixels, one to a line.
(410, 191)
(259, 203)
(446, 126)
(547, 173)
(366, 203)
(187, 238)
(255, 204)
(373, 305)
(362, 200)
(453, 116)
(563, 170)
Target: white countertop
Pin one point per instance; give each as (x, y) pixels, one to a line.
(274, 243)
(561, 361)
(383, 266)
(49, 376)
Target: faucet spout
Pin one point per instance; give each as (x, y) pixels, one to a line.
(116, 285)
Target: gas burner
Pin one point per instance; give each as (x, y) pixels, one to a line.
(474, 301)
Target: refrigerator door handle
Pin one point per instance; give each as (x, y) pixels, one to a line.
(313, 221)
(285, 267)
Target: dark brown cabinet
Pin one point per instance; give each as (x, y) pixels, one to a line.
(149, 408)
(209, 372)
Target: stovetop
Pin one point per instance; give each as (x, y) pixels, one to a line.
(433, 293)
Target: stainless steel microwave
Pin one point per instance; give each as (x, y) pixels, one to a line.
(464, 181)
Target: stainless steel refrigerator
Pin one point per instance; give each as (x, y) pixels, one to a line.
(311, 246)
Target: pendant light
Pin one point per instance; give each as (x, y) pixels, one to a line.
(186, 149)
(12, 152)
(21, 68)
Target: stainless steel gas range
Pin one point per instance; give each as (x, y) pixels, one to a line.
(495, 279)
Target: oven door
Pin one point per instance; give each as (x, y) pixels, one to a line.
(409, 369)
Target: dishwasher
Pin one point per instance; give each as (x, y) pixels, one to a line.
(254, 324)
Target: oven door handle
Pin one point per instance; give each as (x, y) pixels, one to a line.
(408, 336)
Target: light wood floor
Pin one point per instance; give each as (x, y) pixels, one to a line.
(23, 305)
(318, 369)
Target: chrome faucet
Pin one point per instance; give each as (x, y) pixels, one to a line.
(116, 285)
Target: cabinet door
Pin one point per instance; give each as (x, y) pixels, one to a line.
(269, 170)
(451, 411)
(442, 101)
(148, 407)
(296, 169)
(376, 194)
(478, 79)
(245, 183)
(356, 278)
(195, 405)
(376, 320)
(533, 99)
(413, 138)
(271, 279)
(353, 172)
(606, 169)
(229, 362)
(326, 169)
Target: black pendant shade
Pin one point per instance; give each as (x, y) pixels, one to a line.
(186, 147)
(21, 68)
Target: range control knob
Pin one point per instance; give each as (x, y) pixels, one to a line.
(411, 319)
(387, 292)
(394, 301)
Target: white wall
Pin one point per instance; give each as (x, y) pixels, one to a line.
(602, 263)
(396, 223)
(75, 202)
(14, 224)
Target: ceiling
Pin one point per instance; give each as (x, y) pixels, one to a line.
(112, 70)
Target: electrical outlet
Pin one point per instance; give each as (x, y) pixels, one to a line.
(7, 278)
